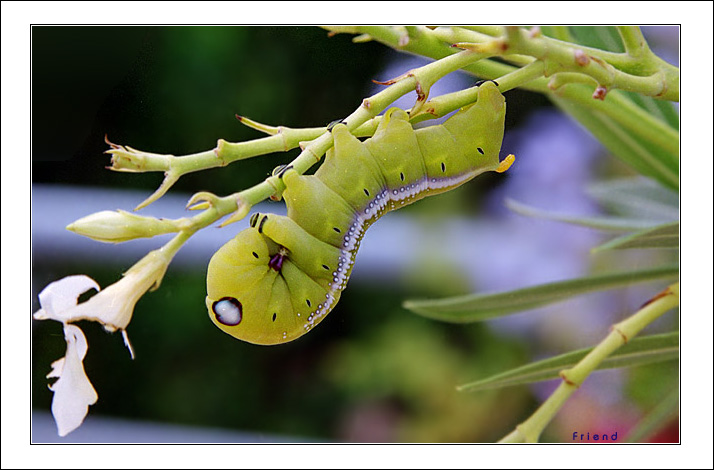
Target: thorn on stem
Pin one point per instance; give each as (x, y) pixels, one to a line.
(581, 58)
(600, 93)
(624, 336)
(664, 293)
(567, 380)
(534, 32)
(421, 95)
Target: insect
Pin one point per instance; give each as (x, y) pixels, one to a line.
(279, 278)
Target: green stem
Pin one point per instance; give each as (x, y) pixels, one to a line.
(519, 77)
(444, 104)
(645, 73)
(617, 107)
(131, 160)
(633, 40)
(626, 113)
(531, 429)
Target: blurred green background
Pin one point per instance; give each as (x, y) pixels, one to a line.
(372, 372)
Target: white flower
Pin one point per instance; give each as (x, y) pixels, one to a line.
(57, 299)
(73, 392)
(113, 306)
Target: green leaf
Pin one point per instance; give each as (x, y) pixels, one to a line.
(662, 236)
(662, 110)
(637, 197)
(656, 419)
(557, 32)
(617, 224)
(643, 156)
(600, 37)
(479, 307)
(639, 351)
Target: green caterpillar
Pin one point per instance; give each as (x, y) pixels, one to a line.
(279, 278)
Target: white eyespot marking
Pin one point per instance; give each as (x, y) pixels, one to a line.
(228, 311)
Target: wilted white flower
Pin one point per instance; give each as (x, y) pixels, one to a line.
(112, 307)
(73, 392)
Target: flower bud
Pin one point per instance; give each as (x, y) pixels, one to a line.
(120, 226)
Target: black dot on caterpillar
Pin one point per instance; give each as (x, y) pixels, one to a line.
(270, 298)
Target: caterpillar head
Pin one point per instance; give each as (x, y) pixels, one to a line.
(246, 296)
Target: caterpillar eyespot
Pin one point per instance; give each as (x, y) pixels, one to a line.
(228, 311)
(273, 282)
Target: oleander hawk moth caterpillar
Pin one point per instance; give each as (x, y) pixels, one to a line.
(280, 277)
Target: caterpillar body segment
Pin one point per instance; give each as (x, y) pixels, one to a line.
(279, 278)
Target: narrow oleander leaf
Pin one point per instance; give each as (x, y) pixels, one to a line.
(637, 197)
(479, 307)
(660, 416)
(600, 37)
(663, 110)
(608, 38)
(611, 223)
(662, 236)
(644, 157)
(558, 32)
(639, 351)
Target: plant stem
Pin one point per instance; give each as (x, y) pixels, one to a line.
(530, 430)
(127, 159)
(633, 40)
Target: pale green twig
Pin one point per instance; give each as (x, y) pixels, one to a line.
(616, 107)
(282, 138)
(421, 79)
(531, 429)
